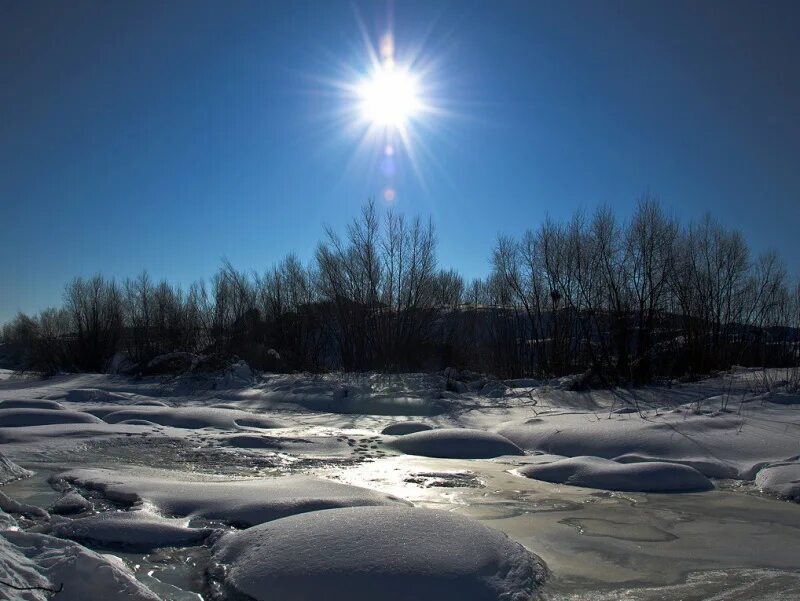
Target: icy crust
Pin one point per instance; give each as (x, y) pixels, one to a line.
(236, 502)
(134, 529)
(594, 472)
(11, 471)
(38, 560)
(455, 443)
(192, 417)
(408, 427)
(20, 418)
(782, 480)
(718, 445)
(368, 553)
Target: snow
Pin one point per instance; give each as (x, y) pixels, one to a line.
(71, 503)
(135, 529)
(30, 404)
(460, 443)
(192, 417)
(594, 472)
(237, 502)
(408, 427)
(28, 559)
(782, 479)
(184, 454)
(716, 444)
(367, 553)
(16, 418)
(11, 471)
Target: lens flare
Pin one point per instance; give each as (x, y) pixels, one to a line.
(389, 96)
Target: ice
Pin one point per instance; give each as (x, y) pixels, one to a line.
(594, 472)
(367, 553)
(459, 443)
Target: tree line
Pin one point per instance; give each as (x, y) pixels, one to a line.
(617, 300)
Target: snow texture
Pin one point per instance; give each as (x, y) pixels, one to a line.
(20, 418)
(782, 479)
(192, 417)
(367, 553)
(134, 529)
(237, 502)
(408, 427)
(38, 560)
(717, 444)
(594, 472)
(455, 443)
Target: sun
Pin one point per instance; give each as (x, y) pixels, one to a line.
(389, 96)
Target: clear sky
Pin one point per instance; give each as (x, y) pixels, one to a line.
(168, 135)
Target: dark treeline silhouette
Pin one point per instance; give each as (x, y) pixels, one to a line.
(617, 301)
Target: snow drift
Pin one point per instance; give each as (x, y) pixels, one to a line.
(237, 502)
(594, 472)
(455, 443)
(367, 553)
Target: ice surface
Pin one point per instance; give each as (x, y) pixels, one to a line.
(239, 502)
(594, 472)
(457, 443)
(367, 553)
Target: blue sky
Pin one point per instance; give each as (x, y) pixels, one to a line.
(166, 136)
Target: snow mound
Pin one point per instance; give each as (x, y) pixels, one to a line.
(783, 398)
(409, 427)
(595, 472)
(44, 561)
(20, 418)
(93, 395)
(30, 404)
(11, 471)
(455, 443)
(192, 417)
(71, 503)
(781, 479)
(716, 444)
(367, 553)
(237, 502)
(136, 529)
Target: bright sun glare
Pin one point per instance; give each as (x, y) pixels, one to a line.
(389, 96)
